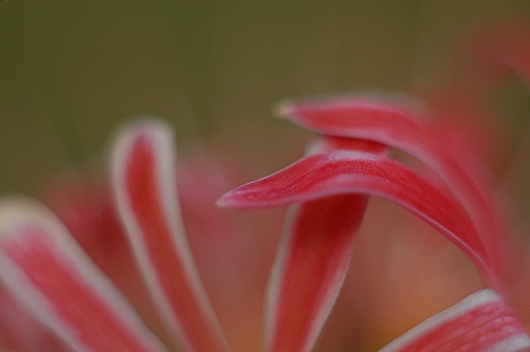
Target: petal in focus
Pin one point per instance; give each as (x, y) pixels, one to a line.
(389, 124)
(143, 175)
(480, 322)
(342, 172)
(47, 271)
(312, 260)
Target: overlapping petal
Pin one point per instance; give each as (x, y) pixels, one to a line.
(143, 175)
(312, 261)
(48, 272)
(390, 124)
(309, 270)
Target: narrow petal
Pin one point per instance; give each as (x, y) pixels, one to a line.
(309, 270)
(47, 271)
(391, 125)
(480, 322)
(143, 174)
(312, 259)
(343, 172)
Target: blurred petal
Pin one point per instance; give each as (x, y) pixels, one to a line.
(343, 172)
(143, 175)
(21, 331)
(49, 273)
(499, 45)
(389, 124)
(480, 322)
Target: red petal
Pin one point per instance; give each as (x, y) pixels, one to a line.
(309, 270)
(391, 125)
(481, 322)
(343, 172)
(143, 172)
(21, 331)
(312, 259)
(49, 273)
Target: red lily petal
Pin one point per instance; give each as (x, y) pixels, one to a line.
(480, 322)
(312, 260)
(143, 172)
(42, 265)
(391, 125)
(342, 172)
(309, 270)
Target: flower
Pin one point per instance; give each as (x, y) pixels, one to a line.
(342, 166)
(69, 302)
(69, 282)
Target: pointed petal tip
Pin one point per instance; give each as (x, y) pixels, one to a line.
(374, 98)
(283, 108)
(235, 199)
(221, 202)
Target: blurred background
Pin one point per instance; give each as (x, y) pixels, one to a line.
(71, 72)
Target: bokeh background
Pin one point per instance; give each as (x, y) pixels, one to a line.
(71, 72)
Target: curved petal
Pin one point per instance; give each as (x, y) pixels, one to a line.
(309, 270)
(312, 260)
(143, 175)
(343, 172)
(391, 125)
(47, 271)
(480, 322)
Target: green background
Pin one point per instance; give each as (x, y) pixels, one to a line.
(71, 72)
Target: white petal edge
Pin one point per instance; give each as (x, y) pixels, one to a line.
(482, 297)
(19, 209)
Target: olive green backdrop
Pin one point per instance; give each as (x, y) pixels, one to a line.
(70, 72)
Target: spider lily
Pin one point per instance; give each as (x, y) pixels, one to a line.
(58, 293)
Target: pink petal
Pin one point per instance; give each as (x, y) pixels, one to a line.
(49, 273)
(391, 125)
(314, 254)
(480, 322)
(309, 270)
(143, 174)
(341, 172)
(21, 331)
